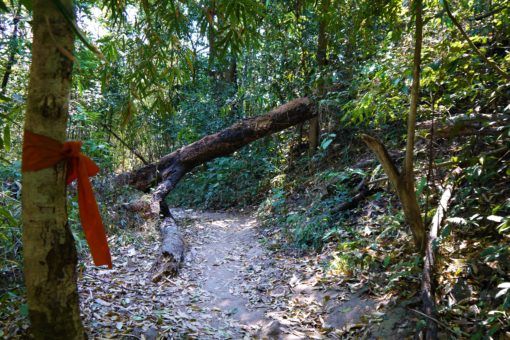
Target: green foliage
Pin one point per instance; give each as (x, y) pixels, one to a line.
(10, 226)
(175, 71)
(226, 182)
(315, 220)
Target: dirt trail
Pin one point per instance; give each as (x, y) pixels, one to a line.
(230, 287)
(226, 258)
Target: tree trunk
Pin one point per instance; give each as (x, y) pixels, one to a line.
(49, 252)
(410, 202)
(322, 45)
(211, 36)
(231, 77)
(407, 197)
(297, 13)
(172, 167)
(404, 182)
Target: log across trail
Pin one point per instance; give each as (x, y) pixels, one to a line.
(170, 169)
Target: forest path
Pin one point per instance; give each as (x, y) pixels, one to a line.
(230, 287)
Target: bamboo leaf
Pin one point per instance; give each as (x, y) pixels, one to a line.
(7, 137)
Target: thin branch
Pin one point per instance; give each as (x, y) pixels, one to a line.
(489, 62)
(490, 13)
(448, 163)
(415, 93)
(13, 47)
(136, 153)
(442, 324)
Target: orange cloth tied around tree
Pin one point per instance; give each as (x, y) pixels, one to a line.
(40, 152)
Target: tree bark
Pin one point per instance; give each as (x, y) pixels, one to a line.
(172, 250)
(49, 252)
(404, 182)
(428, 284)
(211, 36)
(322, 45)
(172, 167)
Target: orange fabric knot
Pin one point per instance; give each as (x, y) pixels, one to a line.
(72, 149)
(40, 152)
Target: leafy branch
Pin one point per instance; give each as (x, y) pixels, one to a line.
(457, 24)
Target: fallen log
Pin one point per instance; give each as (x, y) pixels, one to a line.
(427, 284)
(172, 250)
(465, 125)
(173, 246)
(362, 191)
(169, 170)
(172, 167)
